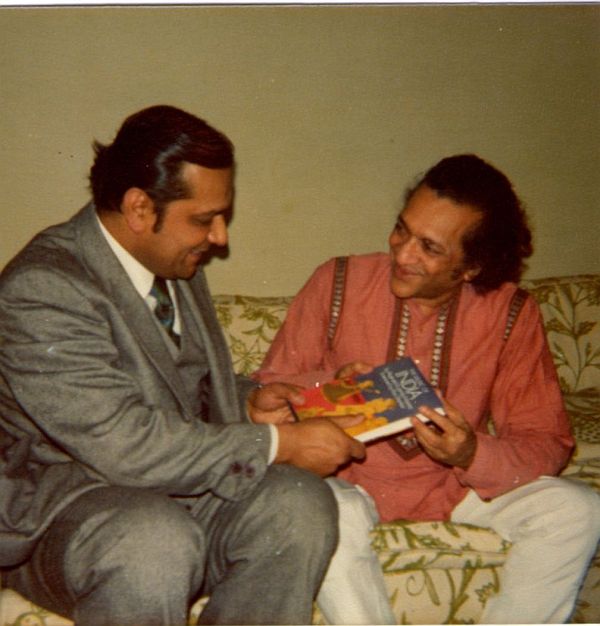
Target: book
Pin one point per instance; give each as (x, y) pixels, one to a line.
(387, 396)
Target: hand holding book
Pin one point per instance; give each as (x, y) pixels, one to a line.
(451, 440)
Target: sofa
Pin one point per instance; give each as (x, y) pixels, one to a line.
(440, 572)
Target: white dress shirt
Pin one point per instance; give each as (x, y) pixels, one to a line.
(141, 277)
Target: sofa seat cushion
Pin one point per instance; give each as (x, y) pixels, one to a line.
(439, 572)
(446, 540)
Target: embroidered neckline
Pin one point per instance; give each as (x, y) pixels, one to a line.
(442, 340)
(405, 445)
(438, 340)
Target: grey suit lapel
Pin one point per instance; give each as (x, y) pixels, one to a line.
(223, 387)
(106, 270)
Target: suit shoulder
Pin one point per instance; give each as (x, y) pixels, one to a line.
(49, 257)
(58, 248)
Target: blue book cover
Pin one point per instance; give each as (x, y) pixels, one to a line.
(387, 396)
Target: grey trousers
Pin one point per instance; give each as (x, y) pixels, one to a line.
(120, 556)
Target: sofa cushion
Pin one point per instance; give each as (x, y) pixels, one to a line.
(570, 306)
(249, 324)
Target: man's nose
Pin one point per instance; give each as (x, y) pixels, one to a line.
(406, 252)
(218, 231)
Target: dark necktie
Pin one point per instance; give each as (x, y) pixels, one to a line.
(164, 309)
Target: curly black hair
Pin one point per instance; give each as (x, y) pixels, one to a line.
(501, 241)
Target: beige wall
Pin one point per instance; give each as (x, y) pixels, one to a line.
(333, 111)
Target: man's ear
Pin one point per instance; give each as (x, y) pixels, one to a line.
(138, 210)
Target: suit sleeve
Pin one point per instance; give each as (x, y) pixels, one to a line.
(80, 399)
(533, 435)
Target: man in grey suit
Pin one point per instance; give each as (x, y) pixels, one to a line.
(137, 471)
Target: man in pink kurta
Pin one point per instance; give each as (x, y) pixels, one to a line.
(446, 295)
(514, 380)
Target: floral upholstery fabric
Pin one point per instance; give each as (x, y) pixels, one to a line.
(440, 572)
(250, 324)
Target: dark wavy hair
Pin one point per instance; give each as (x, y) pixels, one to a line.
(149, 151)
(501, 241)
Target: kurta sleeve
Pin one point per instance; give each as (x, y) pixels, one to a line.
(532, 436)
(296, 353)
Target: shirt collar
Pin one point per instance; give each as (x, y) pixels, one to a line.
(141, 277)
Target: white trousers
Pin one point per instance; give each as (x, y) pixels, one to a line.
(553, 524)
(353, 591)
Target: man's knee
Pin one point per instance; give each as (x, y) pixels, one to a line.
(567, 507)
(133, 530)
(297, 504)
(304, 496)
(579, 504)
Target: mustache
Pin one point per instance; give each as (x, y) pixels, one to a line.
(409, 269)
(200, 249)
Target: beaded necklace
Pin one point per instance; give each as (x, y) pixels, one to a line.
(406, 445)
(442, 341)
(438, 342)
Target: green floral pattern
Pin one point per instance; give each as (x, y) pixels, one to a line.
(571, 310)
(439, 572)
(250, 324)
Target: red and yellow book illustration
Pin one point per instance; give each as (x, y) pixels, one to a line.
(387, 396)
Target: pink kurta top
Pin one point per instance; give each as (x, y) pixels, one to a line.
(514, 381)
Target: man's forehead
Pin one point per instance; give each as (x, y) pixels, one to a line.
(192, 171)
(204, 182)
(438, 218)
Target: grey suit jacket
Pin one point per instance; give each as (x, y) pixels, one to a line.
(90, 396)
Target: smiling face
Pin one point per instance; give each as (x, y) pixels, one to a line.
(426, 248)
(174, 246)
